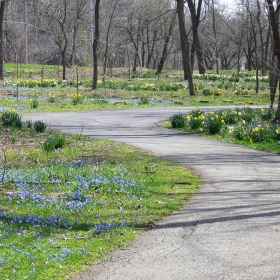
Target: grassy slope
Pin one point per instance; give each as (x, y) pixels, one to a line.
(31, 250)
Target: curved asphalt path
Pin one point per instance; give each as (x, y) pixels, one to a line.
(230, 229)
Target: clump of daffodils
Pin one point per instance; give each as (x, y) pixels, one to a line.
(76, 98)
(195, 119)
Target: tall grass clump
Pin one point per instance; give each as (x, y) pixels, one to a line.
(178, 121)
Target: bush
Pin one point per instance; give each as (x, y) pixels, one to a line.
(216, 92)
(54, 142)
(262, 87)
(144, 100)
(39, 126)
(34, 103)
(246, 124)
(227, 85)
(29, 124)
(276, 130)
(248, 114)
(214, 123)
(207, 92)
(249, 86)
(240, 132)
(76, 98)
(198, 86)
(195, 119)
(234, 79)
(148, 75)
(51, 98)
(177, 121)
(17, 125)
(11, 118)
(231, 116)
(261, 133)
(267, 114)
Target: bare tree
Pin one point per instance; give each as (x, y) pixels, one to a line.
(55, 14)
(79, 11)
(196, 46)
(215, 38)
(236, 28)
(166, 42)
(274, 73)
(95, 45)
(2, 13)
(185, 47)
(276, 36)
(107, 37)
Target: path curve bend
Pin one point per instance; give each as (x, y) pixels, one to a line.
(230, 229)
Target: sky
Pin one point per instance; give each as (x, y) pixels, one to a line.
(228, 2)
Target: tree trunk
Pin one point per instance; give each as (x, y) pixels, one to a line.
(273, 81)
(264, 63)
(73, 56)
(185, 47)
(2, 10)
(257, 77)
(238, 60)
(196, 46)
(151, 50)
(249, 59)
(106, 52)
(273, 73)
(276, 36)
(199, 56)
(95, 45)
(135, 62)
(63, 60)
(165, 48)
(142, 54)
(107, 40)
(216, 41)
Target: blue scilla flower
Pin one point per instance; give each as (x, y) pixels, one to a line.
(38, 221)
(30, 196)
(78, 162)
(66, 251)
(76, 199)
(101, 227)
(2, 262)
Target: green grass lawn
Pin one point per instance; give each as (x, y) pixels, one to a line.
(120, 91)
(62, 210)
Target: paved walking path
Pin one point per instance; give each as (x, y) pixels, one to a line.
(230, 229)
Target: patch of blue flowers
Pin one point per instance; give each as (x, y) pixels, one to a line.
(65, 252)
(76, 199)
(85, 175)
(102, 227)
(73, 201)
(56, 200)
(74, 183)
(37, 221)
(63, 201)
